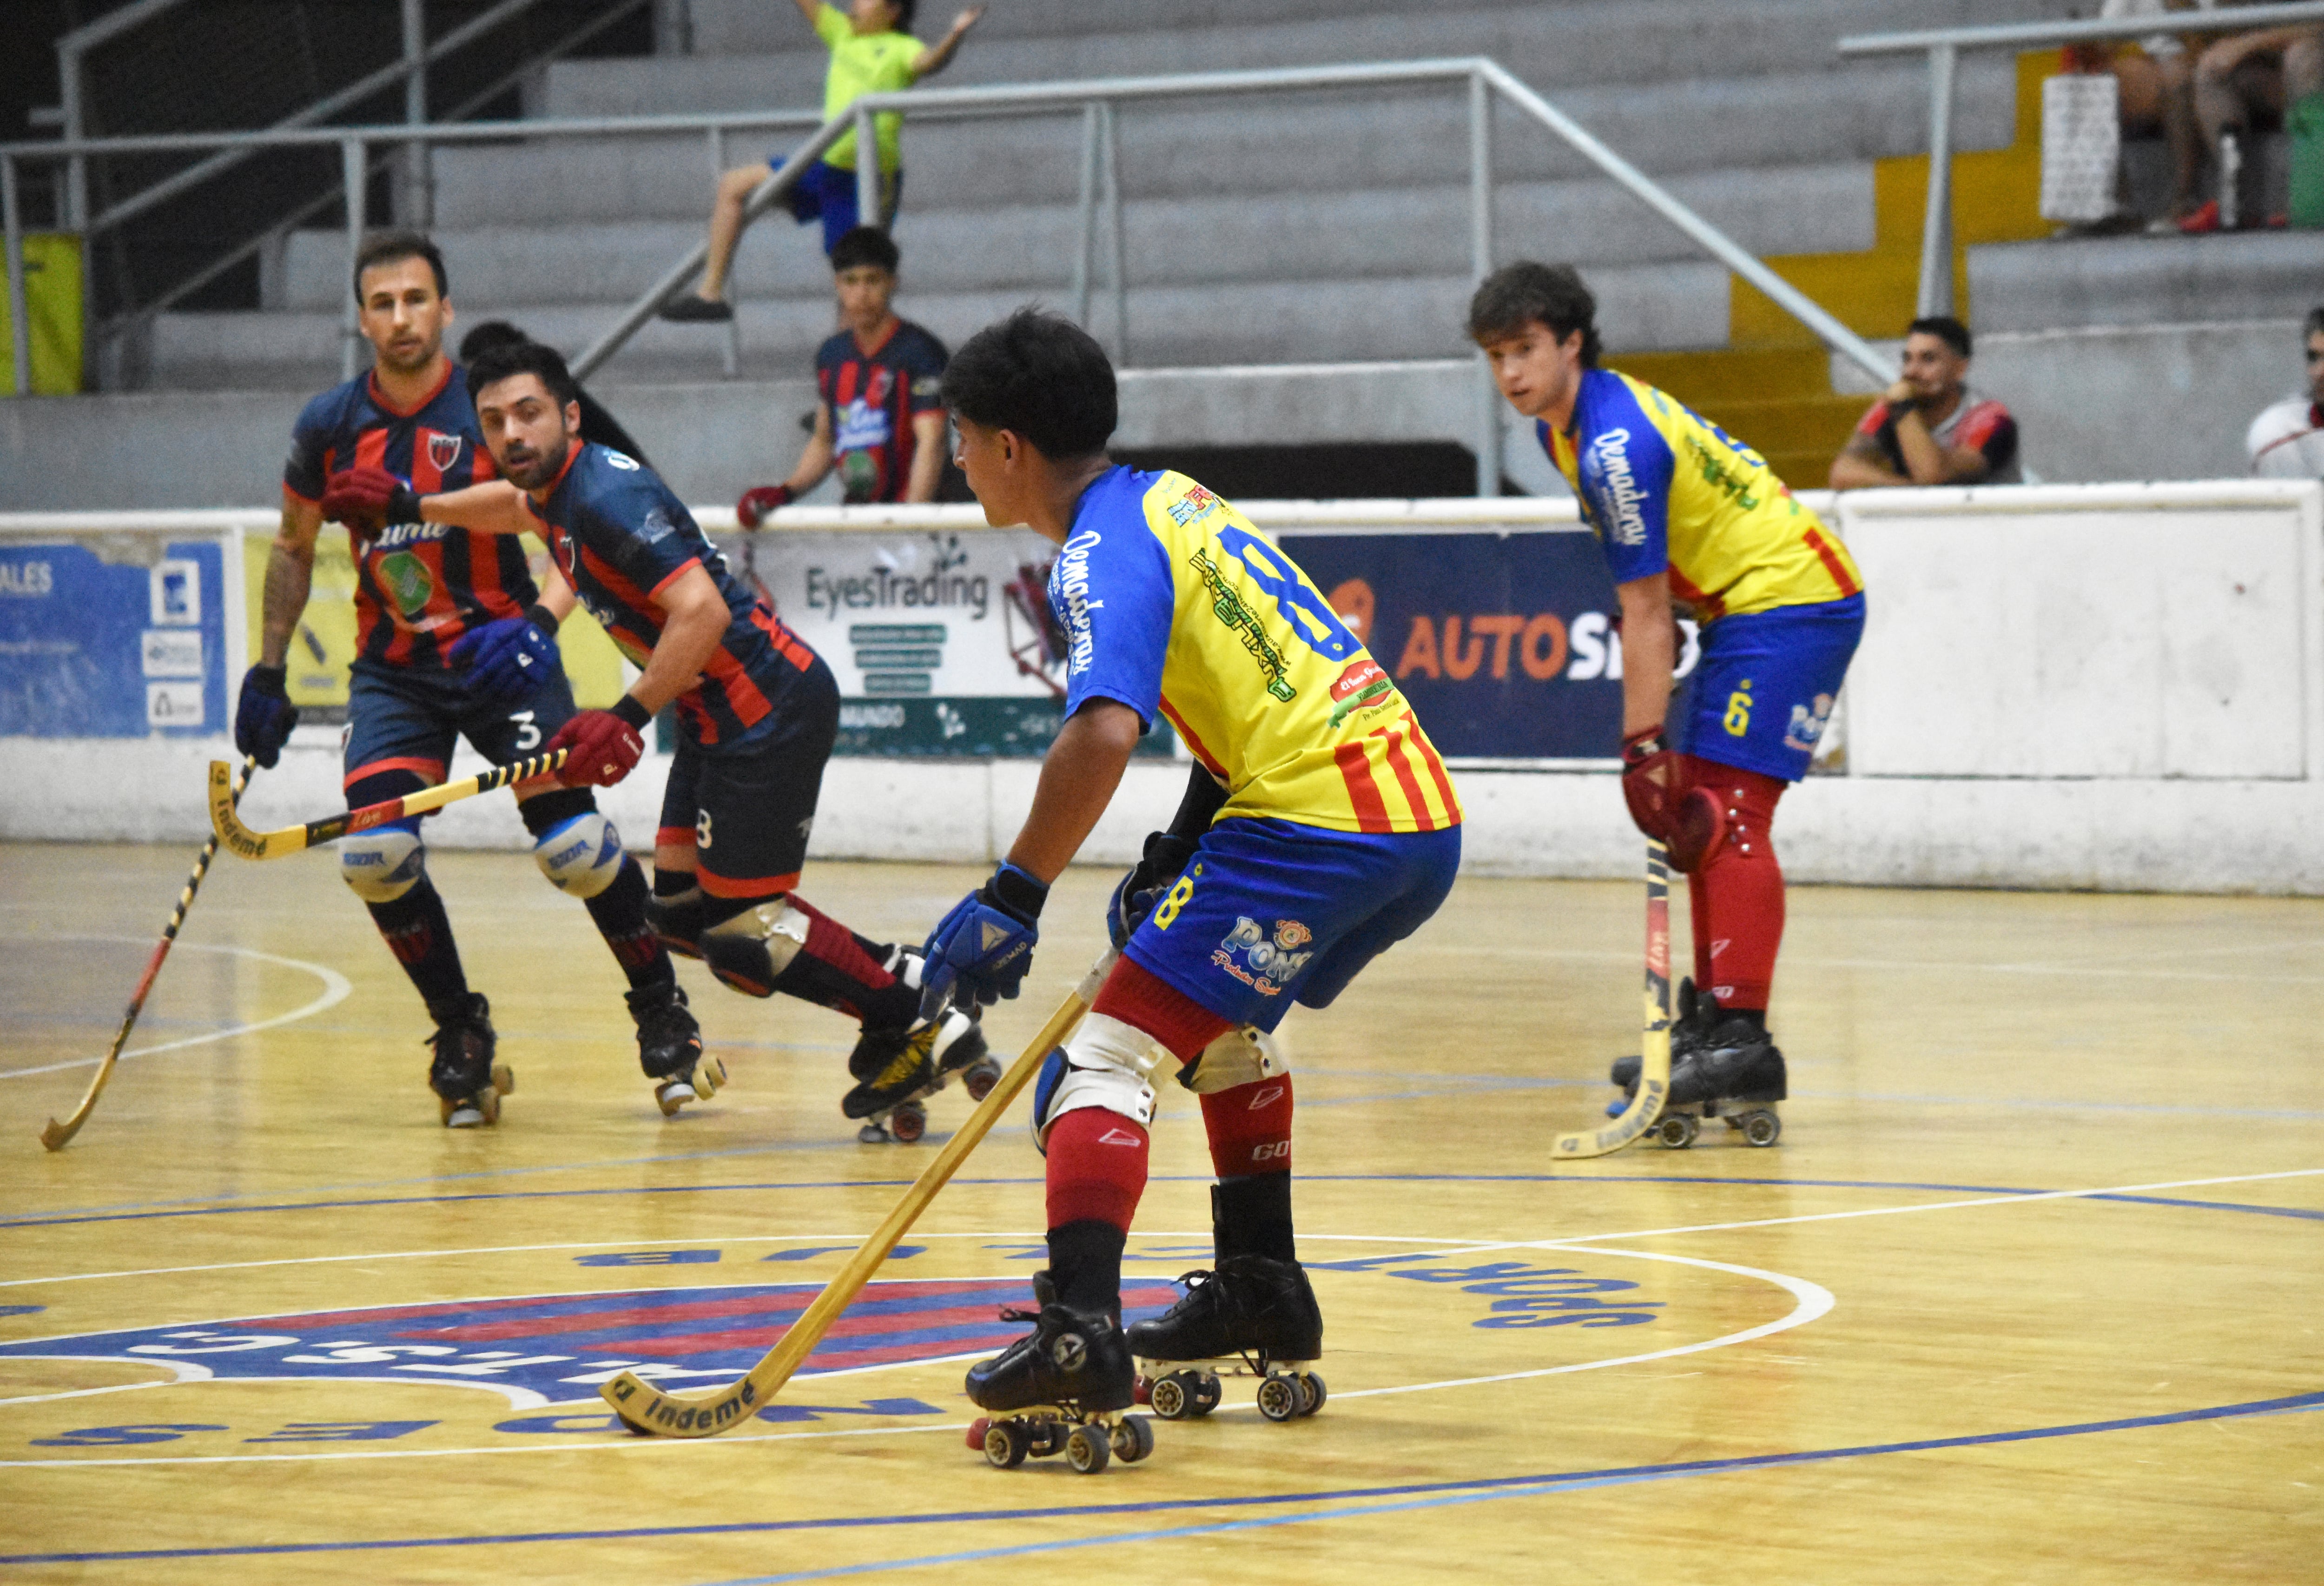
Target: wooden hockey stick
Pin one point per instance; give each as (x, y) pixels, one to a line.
(1653, 1054)
(250, 845)
(646, 1409)
(55, 1136)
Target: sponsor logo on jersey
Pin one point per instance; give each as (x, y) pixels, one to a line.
(1365, 682)
(1192, 507)
(397, 534)
(443, 450)
(863, 425)
(409, 582)
(1239, 619)
(1608, 461)
(541, 1349)
(1808, 724)
(1069, 592)
(622, 460)
(1264, 962)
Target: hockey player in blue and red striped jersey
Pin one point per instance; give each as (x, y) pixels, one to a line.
(452, 641)
(758, 713)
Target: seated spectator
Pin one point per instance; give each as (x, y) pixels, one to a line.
(878, 419)
(2242, 84)
(1930, 428)
(598, 427)
(2286, 441)
(872, 51)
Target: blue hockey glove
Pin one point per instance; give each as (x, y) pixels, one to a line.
(507, 659)
(985, 944)
(264, 717)
(1148, 881)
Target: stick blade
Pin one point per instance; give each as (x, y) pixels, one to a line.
(649, 1411)
(55, 1136)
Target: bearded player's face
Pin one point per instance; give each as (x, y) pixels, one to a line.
(402, 315)
(525, 430)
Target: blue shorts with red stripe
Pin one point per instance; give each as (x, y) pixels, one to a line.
(402, 723)
(1761, 694)
(1269, 912)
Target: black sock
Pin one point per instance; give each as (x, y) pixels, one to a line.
(619, 911)
(1756, 1017)
(1251, 1216)
(672, 884)
(1085, 1264)
(419, 933)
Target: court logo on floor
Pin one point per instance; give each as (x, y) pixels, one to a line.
(555, 1349)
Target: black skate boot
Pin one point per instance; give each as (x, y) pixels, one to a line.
(1074, 1374)
(669, 1048)
(1251, 1308)
(1735, 1073)
(467, 1083)
(1697, 1013)
(915, 1063)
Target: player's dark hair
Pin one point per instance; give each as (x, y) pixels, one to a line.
(385, 247)
(491, 333)
(905, 11)
(2314, 324)
(1041, 375)
(496, 364)
(1520, 294)
(865, 244)
(1946, 330)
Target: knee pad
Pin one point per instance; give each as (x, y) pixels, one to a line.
(1105, 1064)
(580, 854)
(1241, 1055)
(1740, 810)
(750, 950)
(382, 864)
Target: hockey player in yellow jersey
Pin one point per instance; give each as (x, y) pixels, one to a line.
(1682, 510)
(1319, 828)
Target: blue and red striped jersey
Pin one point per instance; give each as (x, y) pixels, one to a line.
(620, 538)
(418, 586)
(873, 397)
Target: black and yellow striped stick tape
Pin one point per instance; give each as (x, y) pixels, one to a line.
(249, 845)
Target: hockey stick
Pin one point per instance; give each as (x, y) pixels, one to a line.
(251, 844)
(647, 1410)
(55, 1136)
(1653, 1054)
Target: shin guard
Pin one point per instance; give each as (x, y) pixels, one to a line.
(418, 932)
(1097, 1168)
(1249, 1128)
(620, 914)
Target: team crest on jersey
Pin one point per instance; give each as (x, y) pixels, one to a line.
(876, 389)
(443, 451)
(1264, 961)
(559, 1348)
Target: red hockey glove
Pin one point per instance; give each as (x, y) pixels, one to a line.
(1650, 781)
(758, 502)
(605, 744)
(369, 497)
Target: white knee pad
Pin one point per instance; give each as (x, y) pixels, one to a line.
(1104, 1064)
(750, 950)
(581, 856)
(380, 865)
(1241, 1056)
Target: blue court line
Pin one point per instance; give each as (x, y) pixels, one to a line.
(1496, 1486)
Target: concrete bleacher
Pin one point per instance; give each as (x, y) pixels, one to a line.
(1321, 230)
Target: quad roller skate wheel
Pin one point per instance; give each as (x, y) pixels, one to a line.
(908, 1123)
(1676, 1130)
(980, 1079)
(1089, 1449)
(709, 1077)
(1311, 1389)
(1006, 1445)
(1180, 1395)
(1759, 1128)
(503, 1079)
(1280, 1397)
(1133, 1439)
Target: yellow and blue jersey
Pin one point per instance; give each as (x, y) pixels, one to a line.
(1666, 489)
(1172, 602)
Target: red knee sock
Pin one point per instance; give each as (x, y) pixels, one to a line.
(1097, 1168)
(1736, 894)
(1249, 1128)
(1146, 1001)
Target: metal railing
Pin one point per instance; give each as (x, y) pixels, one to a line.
(1943, 47)
(1096, 101)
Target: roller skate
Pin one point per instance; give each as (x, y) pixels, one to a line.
(1253, 1310)
(669, 1048)
(1698, 1012)
(1061, 1389)
(468, 1084)
(1736, 1073)
(919, 1060)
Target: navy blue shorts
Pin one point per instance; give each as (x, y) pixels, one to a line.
(1270, 912)
(746, 809)
(402, 722)
(827, 193)
(1761, 694)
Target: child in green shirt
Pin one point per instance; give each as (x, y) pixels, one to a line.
(872, 51)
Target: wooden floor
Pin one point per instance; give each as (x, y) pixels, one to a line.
(2030, 1289)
